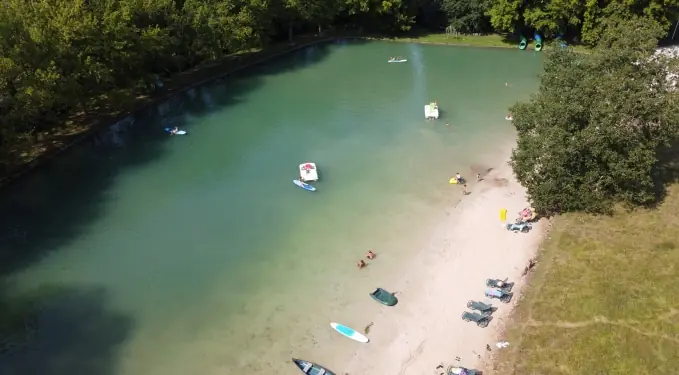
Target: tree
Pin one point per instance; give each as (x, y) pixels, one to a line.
(467, 16)
(505, 15)
(589, 138)
(582, 18)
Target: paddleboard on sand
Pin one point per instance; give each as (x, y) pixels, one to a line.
(348, 332)
(180, 132)
(303, 185)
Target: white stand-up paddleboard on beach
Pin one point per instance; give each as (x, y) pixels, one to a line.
(348, 332)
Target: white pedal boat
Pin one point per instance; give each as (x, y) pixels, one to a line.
(308, 172)
(431, 111)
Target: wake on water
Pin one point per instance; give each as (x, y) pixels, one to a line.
(419, 75)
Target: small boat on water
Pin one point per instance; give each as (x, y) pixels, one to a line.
(382, 296)
(308, 172)
(431, 111)
(311, 368)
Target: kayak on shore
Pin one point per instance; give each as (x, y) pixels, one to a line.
(311, 368)
(382, 296)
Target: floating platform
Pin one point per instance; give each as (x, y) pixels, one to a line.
(431, 111)
(308, 172)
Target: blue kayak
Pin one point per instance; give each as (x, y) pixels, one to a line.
(303, 185)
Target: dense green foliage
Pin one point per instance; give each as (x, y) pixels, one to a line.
(59, 58)
(580, 19)
(64, 58)
(590, 136)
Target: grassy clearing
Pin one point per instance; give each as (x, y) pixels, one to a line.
(603, 299)
(491, 40)
(464, 40)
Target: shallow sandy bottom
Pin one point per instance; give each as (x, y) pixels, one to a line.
(425, 329)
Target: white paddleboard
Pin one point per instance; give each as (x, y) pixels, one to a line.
(180, 132)
(348, 332)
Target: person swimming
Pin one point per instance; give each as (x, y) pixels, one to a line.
(370, 254)
(360, 264)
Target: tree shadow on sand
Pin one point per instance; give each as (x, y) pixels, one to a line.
(65, 332)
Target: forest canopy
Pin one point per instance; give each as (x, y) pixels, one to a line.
(61, 57)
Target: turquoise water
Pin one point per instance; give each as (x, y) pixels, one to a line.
(152, 254)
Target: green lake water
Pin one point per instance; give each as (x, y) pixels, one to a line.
(148, 254)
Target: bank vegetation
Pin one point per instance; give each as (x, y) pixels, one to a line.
(594, 133)
(64, 62)
(597, 144)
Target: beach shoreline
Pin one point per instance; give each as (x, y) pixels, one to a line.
(425, 330)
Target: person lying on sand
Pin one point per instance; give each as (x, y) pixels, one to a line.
(360, 264)
(370, 254)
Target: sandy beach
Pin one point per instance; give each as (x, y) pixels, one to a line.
(425, 329)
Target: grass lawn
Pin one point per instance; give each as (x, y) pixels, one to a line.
(604, 298)
(492, 40)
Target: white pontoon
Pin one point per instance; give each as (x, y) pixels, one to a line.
(431, 111)
(308, 172)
